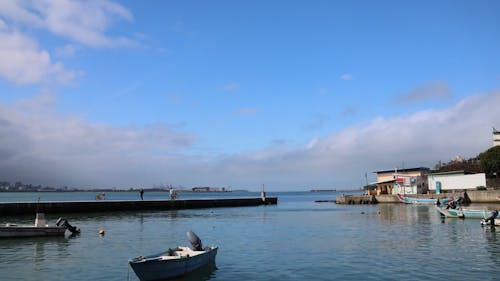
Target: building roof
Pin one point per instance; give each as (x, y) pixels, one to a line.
(386, 181)
(461, 172)
(403, 170)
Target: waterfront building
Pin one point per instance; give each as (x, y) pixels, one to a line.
(455, 180)
(402, 181)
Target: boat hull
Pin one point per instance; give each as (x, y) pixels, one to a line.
(464, 213)
(155, 268)
(429, 201)
(30, 231)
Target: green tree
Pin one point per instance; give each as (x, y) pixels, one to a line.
(490, 161)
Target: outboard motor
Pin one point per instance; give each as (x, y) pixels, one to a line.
(65, 223)
(195, 241)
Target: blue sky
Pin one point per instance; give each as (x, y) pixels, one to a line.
(291, 94)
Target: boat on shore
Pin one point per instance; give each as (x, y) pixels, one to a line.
(40, 228)
(413, 200)
(464, 213)
(174, 262)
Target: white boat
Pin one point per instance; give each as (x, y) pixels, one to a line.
(464, 213)
(174, 262)
(40, 228)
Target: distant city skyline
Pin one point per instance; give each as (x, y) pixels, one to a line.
(295, 95)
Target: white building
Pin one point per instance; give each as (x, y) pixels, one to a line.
(496, 137)
(455, 180)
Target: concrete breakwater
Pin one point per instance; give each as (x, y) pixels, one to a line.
(492, 196)
(19, 208)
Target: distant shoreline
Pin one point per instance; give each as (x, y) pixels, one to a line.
(125, 190)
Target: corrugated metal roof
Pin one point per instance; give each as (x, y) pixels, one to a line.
(403, 170)
(461, 172)
(387, 181)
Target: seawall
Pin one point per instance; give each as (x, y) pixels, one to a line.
(19, 208)
(474, 196)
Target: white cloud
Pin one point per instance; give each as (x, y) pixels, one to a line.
(341, 159)
(346, 77)
(68, 50)
(19, 11)
(41, 146)
(84, 22)
(23, 62)
(45, 147)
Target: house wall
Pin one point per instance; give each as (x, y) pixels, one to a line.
(457, 181)
(418, 188)
(384, 188)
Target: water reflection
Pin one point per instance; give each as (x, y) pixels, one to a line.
(314, 242)
(492, 235)
(35, 249)
(404, 213)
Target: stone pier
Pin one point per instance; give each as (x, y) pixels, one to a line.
(19, 208)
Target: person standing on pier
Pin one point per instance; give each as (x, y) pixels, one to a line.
(142, 194)
(173, 194)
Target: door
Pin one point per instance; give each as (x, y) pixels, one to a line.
(438, 187)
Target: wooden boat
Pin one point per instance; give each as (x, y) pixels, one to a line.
(464, 213)
(413, 200)
(174, 262)
(40, 228)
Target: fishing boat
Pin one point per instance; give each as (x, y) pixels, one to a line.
(413, 200)
(464, 213)
(40, 228)
(174, 262)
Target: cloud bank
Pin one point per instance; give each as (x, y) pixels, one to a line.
(84, 22)
(42, 146)
(23, 61)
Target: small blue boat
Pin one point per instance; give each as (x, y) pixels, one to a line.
(413, 200)
(174, 262)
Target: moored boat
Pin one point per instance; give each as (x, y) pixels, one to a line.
(414, 200)
(464, 213)
(40, 228)
(174, 262)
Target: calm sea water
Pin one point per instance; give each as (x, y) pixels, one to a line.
(297, 239)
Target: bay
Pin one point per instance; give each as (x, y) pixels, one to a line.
(297, 239)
